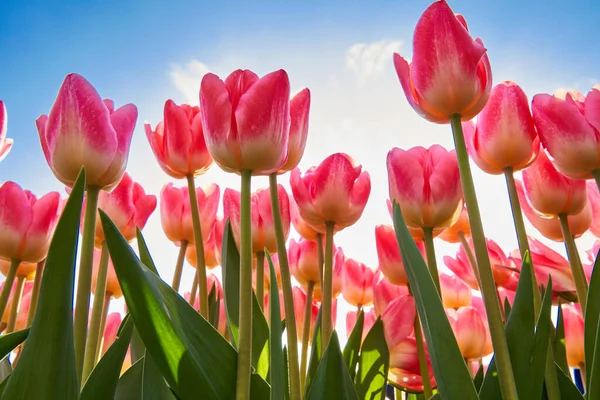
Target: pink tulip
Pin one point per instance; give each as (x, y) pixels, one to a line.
(405, 371)
(299, 308)
(462, 225)
(338, 265)
(246, 120)
(263, 229)
(299, 111)
(369, 321)
(388, 253)
(426, 185)
(5, 143)
(24, 305)
(594, 202)
(469, 331)
(26, 223)
(455, 293)
(477, 303)
(25, 269)
(176, 215)
(178, 141)
(303, 259)
(300, 225)
(113, 322)
(113, 288)
(384, 292)
(399, 320)
(550, 226)
(334, 192)
(574, 330)
(210, 253)
(569, 129)
(450, 72)
(357, 283)
(551, 193)
(82, 130)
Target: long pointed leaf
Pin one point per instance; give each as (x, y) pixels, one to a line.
(568, 390)
(353, 345)
(559, 348)
(275, 342)
(10, 341)
(130, 383)
(38, 375)
(315, 354)
(592, 316)
(373, 365)
(153, 385)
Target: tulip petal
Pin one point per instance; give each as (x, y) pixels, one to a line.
(592, 108)
(299, 113)
(123, 121)
(177, 136)
(15, 217)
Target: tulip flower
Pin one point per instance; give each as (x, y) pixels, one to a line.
(334, 192)
(24, 269)
(246, 120)
(460, 227)
(455, 293)
(210, 253)
(304, 261)
(300, 225)
(113, 288)
(299, 311)
(404, 371)
(5, 143)
(84, 131)
(388, 254)
(263, 232)
(574, 332)
(450, 72)
(175, 212)
(384, 292)
(594, 202)
(23, 304)
(352, 318)
(357, 283)
(299, 111)
(469, 331)
(178, 141)
(504, 136)
(569, 128)
(477, 303)
(398, 320)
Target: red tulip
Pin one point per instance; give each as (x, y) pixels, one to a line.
(176, 215)
(26, 223)
(5, 143)
(551, 193)
(450, 72)
(388, 254)
(336, 191)
(357, 283)
(462, 225)
(574, 331)
(303, 259)
(569, 129)
(504, 136)
(455, 293)
(300, 225)
(113, 288)
(82, 130)
(178, 141)
(469, 331)
(246, 120)
(352, 317)
(299, 111)
(384, 292)
(263, 229)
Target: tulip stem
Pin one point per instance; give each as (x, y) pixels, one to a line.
(306, 331)
(105, 306)
(16, 303)
(260, 278)
(8, 283)
(488, 287)
(179, 266)
(431, 261)
(327, 289)
(199, 245)
(244, 365)
(96, 319)
(515, 206)
(320, 258)
(286, 287)
(84, 282)
(581, 285)
(596, 175)
(35, 292)
(422, 358)
(470, 256)
(194, 289)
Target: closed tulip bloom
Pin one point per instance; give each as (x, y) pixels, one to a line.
(304, 261)
(357, 283)
(594, 202)
(550, 226)
(299, 111)
(246, 120)
(263, 228)
(462, 225)
(5, 143)
(336, 192)
(26, 223)
(455, 293)
(352, 317)
(574, 333)
(388, 254)
(210, 253)
(405, 371)
(112, 282)
(113, 321)
(25, 269)
(303, 228)
(299, 306)
(84, 131)
(176, 215)
(384, 292)
(569, 129)
(551, 193)
(426, 185)
(398, 320)
(504, 136)
(450, 72)
(178, 141)
(477, 303)
(469, 330)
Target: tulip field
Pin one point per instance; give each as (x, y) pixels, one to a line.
(87, 315)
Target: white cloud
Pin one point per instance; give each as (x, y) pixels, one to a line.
(367, 60)
(187, 78)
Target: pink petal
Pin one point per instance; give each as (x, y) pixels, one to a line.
(123, 121)
(592, 108)
(44, 219)
(15, 217)
(299, 113)
(178, 138)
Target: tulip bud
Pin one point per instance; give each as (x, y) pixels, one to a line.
(469, 330)
(304, 261)
(357, 283)
(5, 143)
(299, 308)
(574, 334)
(384, 292)
(455, 293)
(388, 254)
(352, 318)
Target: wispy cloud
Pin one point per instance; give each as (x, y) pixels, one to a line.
(367, 60)
(187, 78)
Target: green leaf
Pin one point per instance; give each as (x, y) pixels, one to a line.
(130, 384)
(507, 308)
(145, 256)
(213, 307)
(592, 316)
(102, 382)
(558, 343)
(10, 341)
(451, 373)
(594, 377)
(286, 373)
(38, 375)
(315, 354)
(332, 380)
(478, 380)
(153, 385)
(353, 345)
(231, 288)
(568, 390)
(184, 346)
(277, 374)
(373, 365)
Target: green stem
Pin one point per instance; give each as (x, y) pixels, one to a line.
(581, 285)
(35, 292)
(8, 283)
(488, 286)
(179, 266)
(14, 307)
(199, 245)
(422, 359)
(194, 290)
(431, 261)
(84, 283)
(244, 365)
(260, 278)
(320, 258)
(96, 319)
(306, 331)
(596, 174)
(286, 287)
(105, 306)
(327, 289)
